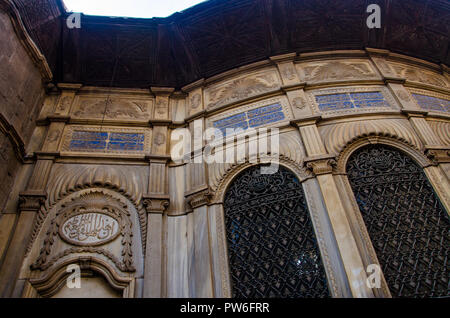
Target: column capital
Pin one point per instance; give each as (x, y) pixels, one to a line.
(31, 200)
(306, 121)
(155, 203)
(321, 164)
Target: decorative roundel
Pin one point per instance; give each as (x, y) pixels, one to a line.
(89, 228)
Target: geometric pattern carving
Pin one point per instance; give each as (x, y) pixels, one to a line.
(272, 247)
(406, 222)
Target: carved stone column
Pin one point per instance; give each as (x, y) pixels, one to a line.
(155, 206)
(156, 201)
(201, 272)
(321, 164)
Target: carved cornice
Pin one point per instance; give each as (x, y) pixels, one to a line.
(319, 165)
(199, 197)
(155, 203)
(438, 154)
(305, 121)
(32, 200)
(162, 91)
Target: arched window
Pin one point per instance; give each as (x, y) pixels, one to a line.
(271, 242)
(406, 222)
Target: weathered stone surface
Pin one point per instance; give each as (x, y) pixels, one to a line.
(21, 96)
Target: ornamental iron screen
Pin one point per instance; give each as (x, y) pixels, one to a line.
(272, 247)
(407, 224)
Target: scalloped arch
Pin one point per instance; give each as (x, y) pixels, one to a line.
(291, 152)
(345, 154)
(338, 136)
(69, 180)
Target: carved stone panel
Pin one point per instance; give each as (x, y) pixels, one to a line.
(90, 222)
(420, 75)
(115, 108)
(241, 87)
(336, 71)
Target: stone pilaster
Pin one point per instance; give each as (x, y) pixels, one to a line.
(321, 164)
(156, 202)
(195, 98)
(161, 108)
(68, 92)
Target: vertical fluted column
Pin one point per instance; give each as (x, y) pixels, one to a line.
(157, 200)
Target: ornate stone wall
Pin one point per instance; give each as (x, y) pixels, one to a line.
(103, 155)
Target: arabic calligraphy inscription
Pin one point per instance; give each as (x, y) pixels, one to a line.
(89, 229)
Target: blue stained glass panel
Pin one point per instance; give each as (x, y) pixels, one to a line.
(432, 103)
(252, 118)
(104, 141)
(351, 100)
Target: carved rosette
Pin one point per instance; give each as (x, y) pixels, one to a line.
(155, 204)
(320, 165)
(30, 201)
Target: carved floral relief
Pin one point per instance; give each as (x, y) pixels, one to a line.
(88, 223)
(112, 108)
(335, 71)
(417, 74)
(241, 88)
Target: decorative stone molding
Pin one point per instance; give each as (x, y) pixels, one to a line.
(320, 164)
(336, 71)
(50, 284)
(241, 88)
(199, 197)
(438, 154)
(155, 203)
(337, 136)
(69, 180)
(92, 202)
(32, 200)
(419, 74)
